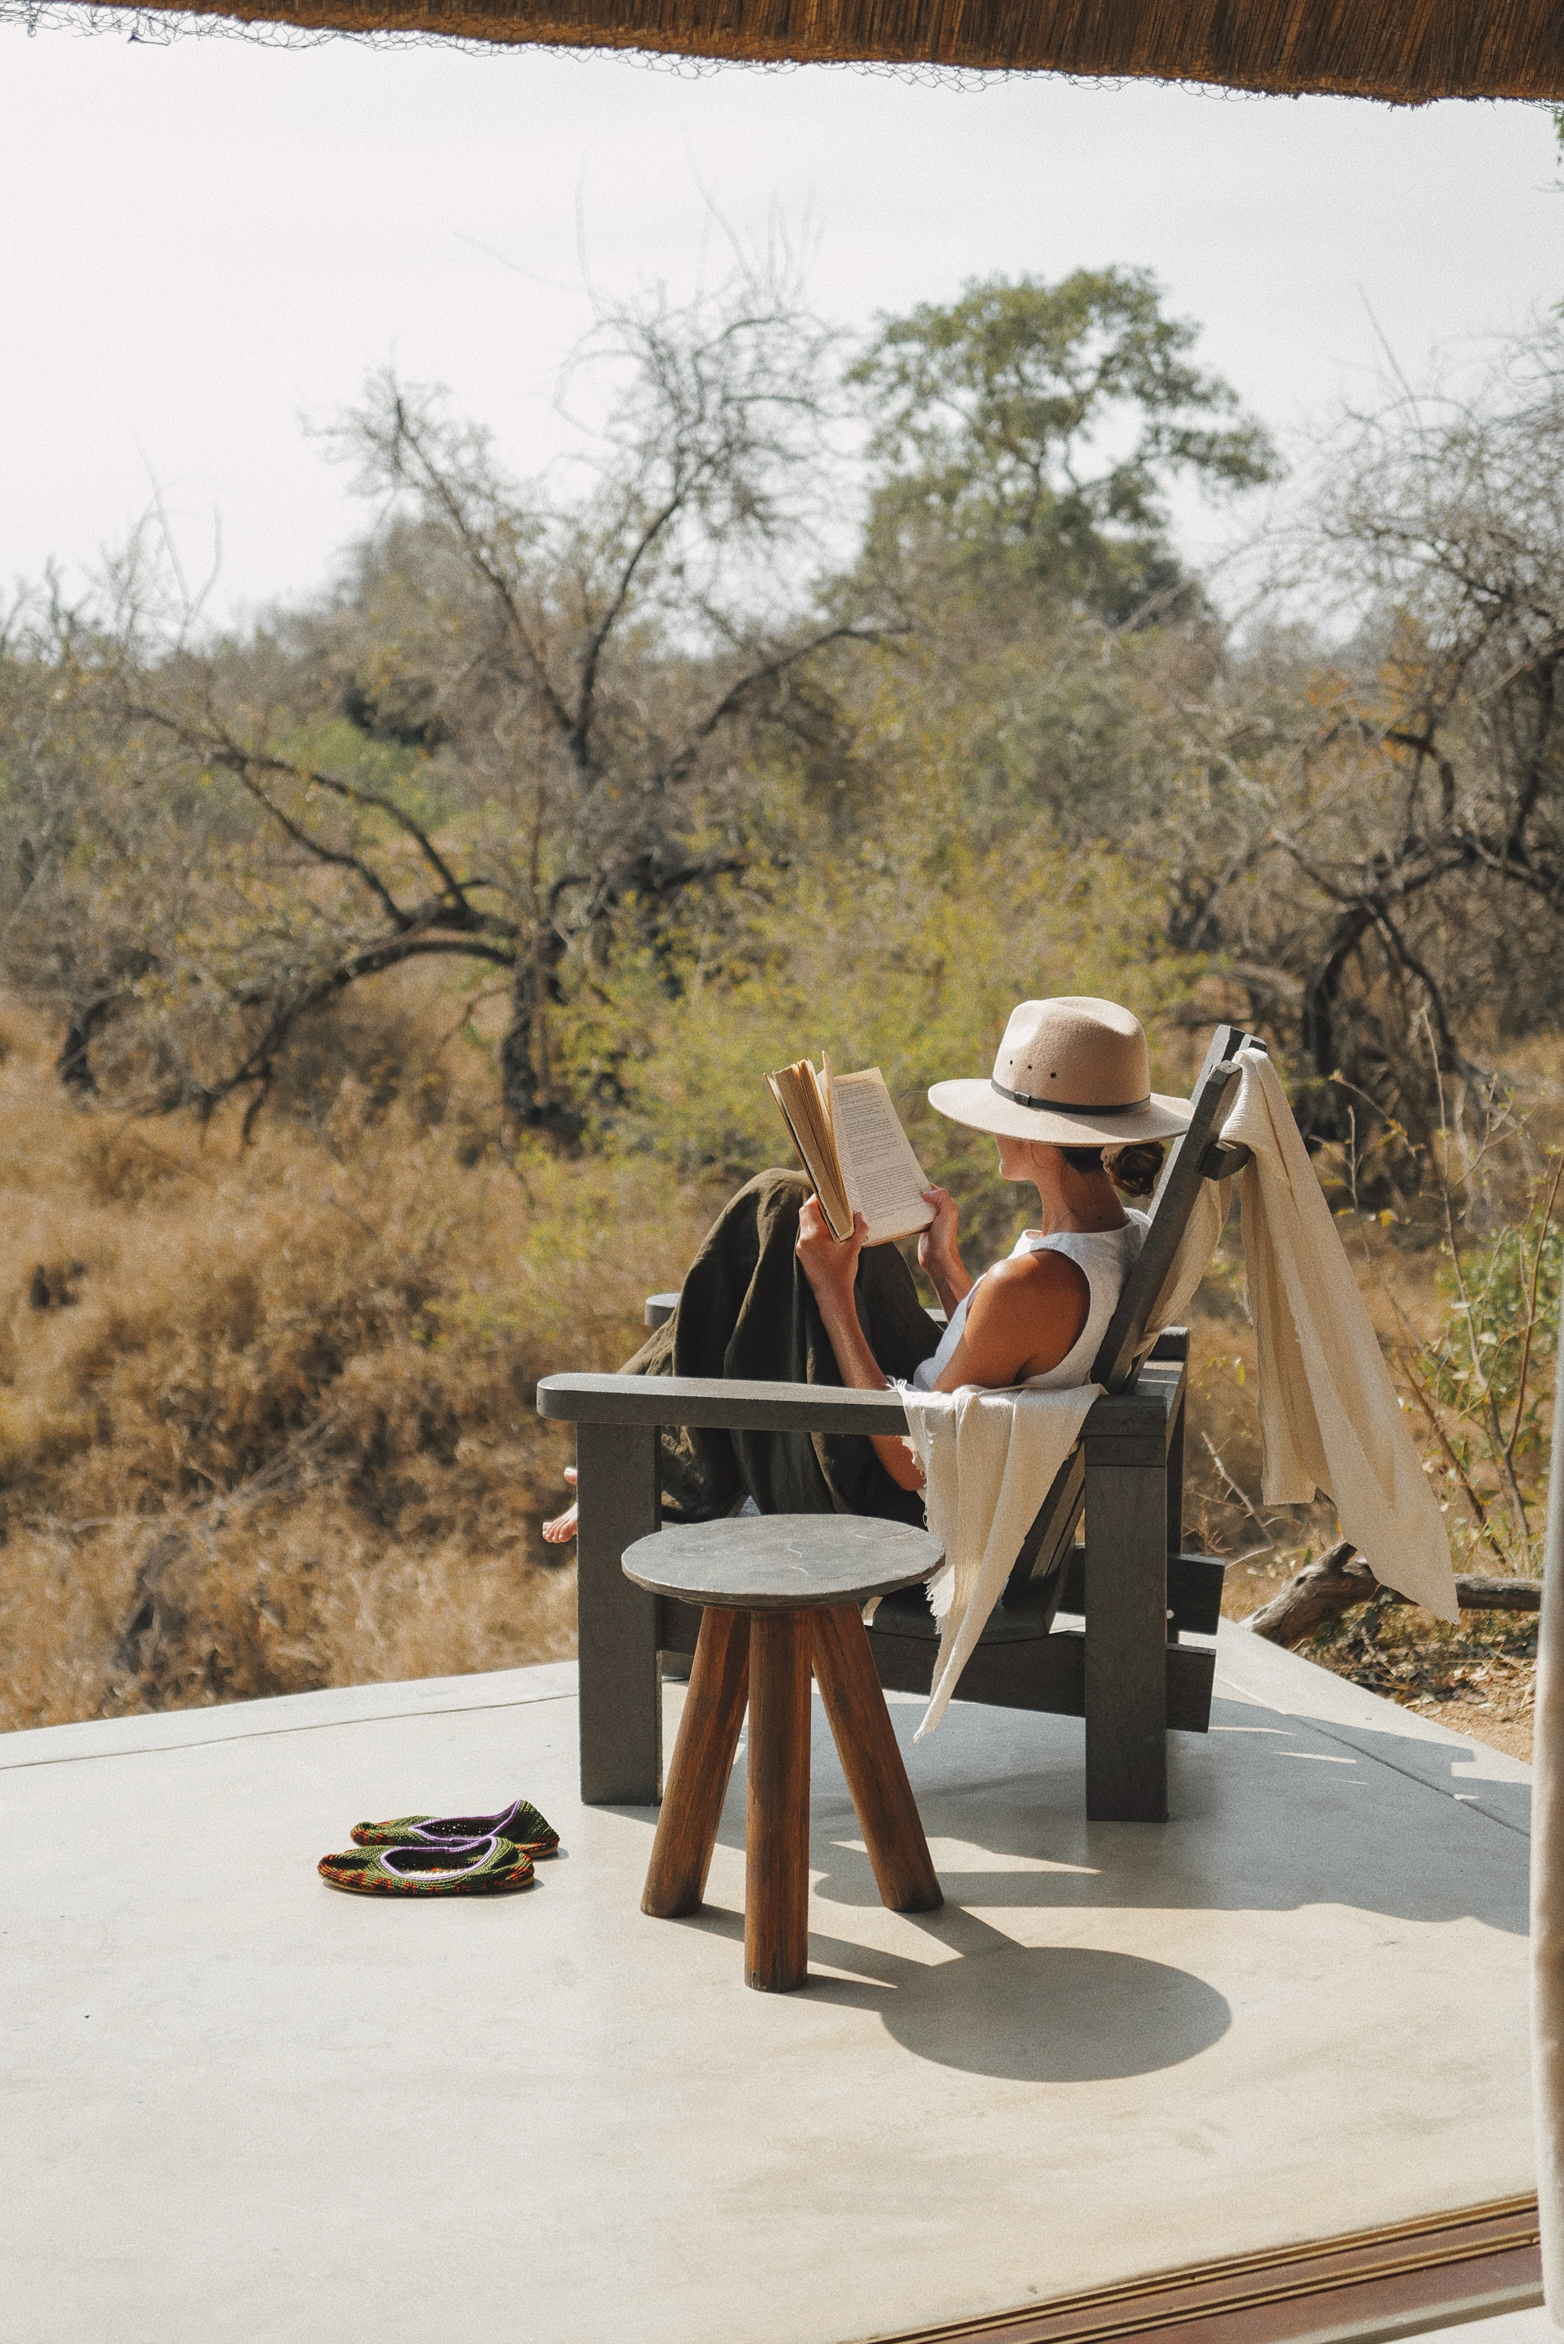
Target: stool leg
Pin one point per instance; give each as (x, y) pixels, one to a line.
(702, 1763)
(776, 1886)
(882, 1796)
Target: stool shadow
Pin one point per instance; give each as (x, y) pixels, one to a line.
(1023, 2013)
(1056, 2014)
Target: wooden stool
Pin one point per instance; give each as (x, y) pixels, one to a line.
(783, 1593)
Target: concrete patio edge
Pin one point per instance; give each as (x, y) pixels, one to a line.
(1371, 2284)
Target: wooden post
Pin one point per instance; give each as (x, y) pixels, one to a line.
(1126, 1638)
(1547, 1887)
(702, 1763)
(616, 1622)
(866, 1743)
(776, 1885)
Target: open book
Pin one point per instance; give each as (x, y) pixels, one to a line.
(854, 1149)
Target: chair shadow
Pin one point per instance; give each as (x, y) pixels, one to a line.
(1271, 1812)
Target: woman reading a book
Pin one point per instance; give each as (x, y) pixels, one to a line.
(774, 1295)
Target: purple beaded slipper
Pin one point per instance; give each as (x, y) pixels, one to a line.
(520, 1823)
(475, 1867)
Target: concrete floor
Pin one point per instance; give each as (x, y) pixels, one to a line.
(239, 2106)
(1510, 2327)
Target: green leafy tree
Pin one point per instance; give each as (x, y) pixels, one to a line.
(1034, 429)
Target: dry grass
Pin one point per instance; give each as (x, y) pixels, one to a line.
(266, 1416)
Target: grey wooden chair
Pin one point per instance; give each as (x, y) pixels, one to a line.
(1125, 1669)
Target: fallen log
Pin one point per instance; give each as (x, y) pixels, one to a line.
(1323, 1590)
(1320, 1592)
(1499, 1594)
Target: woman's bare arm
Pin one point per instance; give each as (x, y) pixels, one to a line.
(831, 1266)
(1026, 1316)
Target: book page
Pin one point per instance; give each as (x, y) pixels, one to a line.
(883, 1177)
(806, 1110)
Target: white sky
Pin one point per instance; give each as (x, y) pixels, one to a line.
(207, 240)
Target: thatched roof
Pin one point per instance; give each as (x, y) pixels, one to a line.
(1403, 50)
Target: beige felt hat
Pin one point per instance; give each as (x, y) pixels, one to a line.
(1073, 1071)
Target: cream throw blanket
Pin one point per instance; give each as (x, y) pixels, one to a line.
(1329, 1416)
(989, 1459)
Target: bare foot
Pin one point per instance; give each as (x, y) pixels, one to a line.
(562, 1529)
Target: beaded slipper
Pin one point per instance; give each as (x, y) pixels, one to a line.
(520, 1823)
(475, 1867)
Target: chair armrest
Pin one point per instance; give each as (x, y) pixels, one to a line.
(717, 1403)
(734, 1404)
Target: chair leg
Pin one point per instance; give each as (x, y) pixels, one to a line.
(1126, 1643)
(882, 1796)
(616, 1623)
(776, 1888)
(702, 1763)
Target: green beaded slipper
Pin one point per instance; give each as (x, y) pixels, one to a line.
(479, 1867)
(520, 1823)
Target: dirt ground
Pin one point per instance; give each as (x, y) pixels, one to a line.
(1478, 1679)
(1475, 1684)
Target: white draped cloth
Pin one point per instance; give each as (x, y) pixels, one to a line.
(1547, 1890)
(1329, 1416)
(989, 1460)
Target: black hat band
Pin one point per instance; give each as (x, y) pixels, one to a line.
(1066, 1106)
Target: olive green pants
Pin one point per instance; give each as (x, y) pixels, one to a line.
(747, 1310)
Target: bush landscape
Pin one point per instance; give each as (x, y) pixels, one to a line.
(387, 987)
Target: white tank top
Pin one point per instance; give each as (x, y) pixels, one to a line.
(1105, 1255)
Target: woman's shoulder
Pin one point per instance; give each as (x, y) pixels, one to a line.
(1025, 1316)
(1040, 1280)
(1037, 1269)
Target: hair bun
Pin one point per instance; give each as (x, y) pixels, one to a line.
(1135, 1167)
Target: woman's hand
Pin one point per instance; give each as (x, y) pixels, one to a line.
(938, 1255)
(937, 1243)
(829, 1263)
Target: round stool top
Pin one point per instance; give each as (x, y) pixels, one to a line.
(782, 1562)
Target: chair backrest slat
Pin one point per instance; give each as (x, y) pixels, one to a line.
(1118, 1357)
(1045, 1548)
